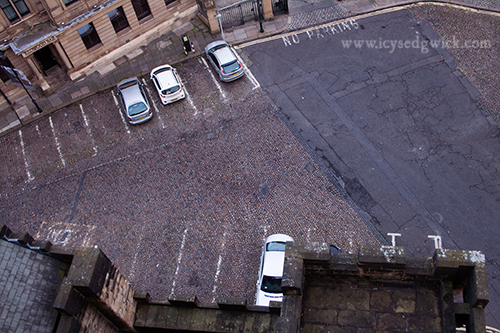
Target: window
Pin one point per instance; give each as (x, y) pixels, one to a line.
(89, 35)
(118, 19)
(69, 2)
(168, 2)
(141, 8)
(13, 12)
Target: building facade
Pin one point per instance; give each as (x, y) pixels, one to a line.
(55, 41)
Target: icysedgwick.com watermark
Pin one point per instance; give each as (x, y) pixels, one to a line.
(418, 43)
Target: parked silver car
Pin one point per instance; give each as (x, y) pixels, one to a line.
(134, 101)
(223, 58)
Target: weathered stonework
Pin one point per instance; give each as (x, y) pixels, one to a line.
(377, 289)
(380, 289)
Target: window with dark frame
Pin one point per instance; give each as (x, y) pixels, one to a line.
(118, 19)
(89, 35)
(15, 9)
(168, 2)
(141, 8)
(69, 2)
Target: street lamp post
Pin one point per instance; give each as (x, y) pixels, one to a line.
(220, 25)
(2, 55)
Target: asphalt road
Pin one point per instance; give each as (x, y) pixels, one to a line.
(399, 125)
(181, 204)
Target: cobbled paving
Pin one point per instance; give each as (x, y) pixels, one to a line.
(316, 17)
(183, 203)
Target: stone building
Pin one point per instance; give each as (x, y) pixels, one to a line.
(54, 41)
(47, 288)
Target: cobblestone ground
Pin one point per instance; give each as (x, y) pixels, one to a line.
(479, 59)
(181, 204)
(316, 17)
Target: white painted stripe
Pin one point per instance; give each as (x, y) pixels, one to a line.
(89, 130)
(26, 164)
(134, 262)
(38, 130)
(217, 84)
(191, 102)
(249, 74)
(118, 106)
(219, 262)
(179, 258)
(58, 145)
(154, 103)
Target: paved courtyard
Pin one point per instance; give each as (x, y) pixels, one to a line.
(181, 204)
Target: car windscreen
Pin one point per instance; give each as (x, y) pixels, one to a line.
(271, 284)
(276, 246)
(137, 108)
(171, 90)
(230, 67)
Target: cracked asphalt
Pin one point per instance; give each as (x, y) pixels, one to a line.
(181, 204)
(400, 124)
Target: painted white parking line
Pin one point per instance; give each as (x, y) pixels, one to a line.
(26, 164)
(154, 103)
(249, 73)
(179, 258)
(190, 101)
(89, 130)
(38, 130)
(217, 84)
(58, 144)
(309, 233)
(219, 262)
(120, 111)
(252, 78)
(134, 262)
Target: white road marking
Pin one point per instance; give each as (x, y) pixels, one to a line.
(191, 102)
(217, 272)
(58, 145)
(154, 103)
(118, 106)
(217, 84)
(179, 258)
(252, 78)
(265, 233)
(89, 130)
(38, 130)
(26, 164)
(249, 73)
(60, 236)
(134, 262)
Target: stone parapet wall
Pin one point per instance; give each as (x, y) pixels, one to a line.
(94, 296)
(186, 313)
(379, 288)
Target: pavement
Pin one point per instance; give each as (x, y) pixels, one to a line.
(168, 49)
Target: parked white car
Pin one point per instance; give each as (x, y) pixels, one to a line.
(167, 83)
(271, 269)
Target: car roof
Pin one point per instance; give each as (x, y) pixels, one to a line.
(165, 76)
(213, 44)
(273, 263)
(279, 238)
(224, 54)
(130, 91)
